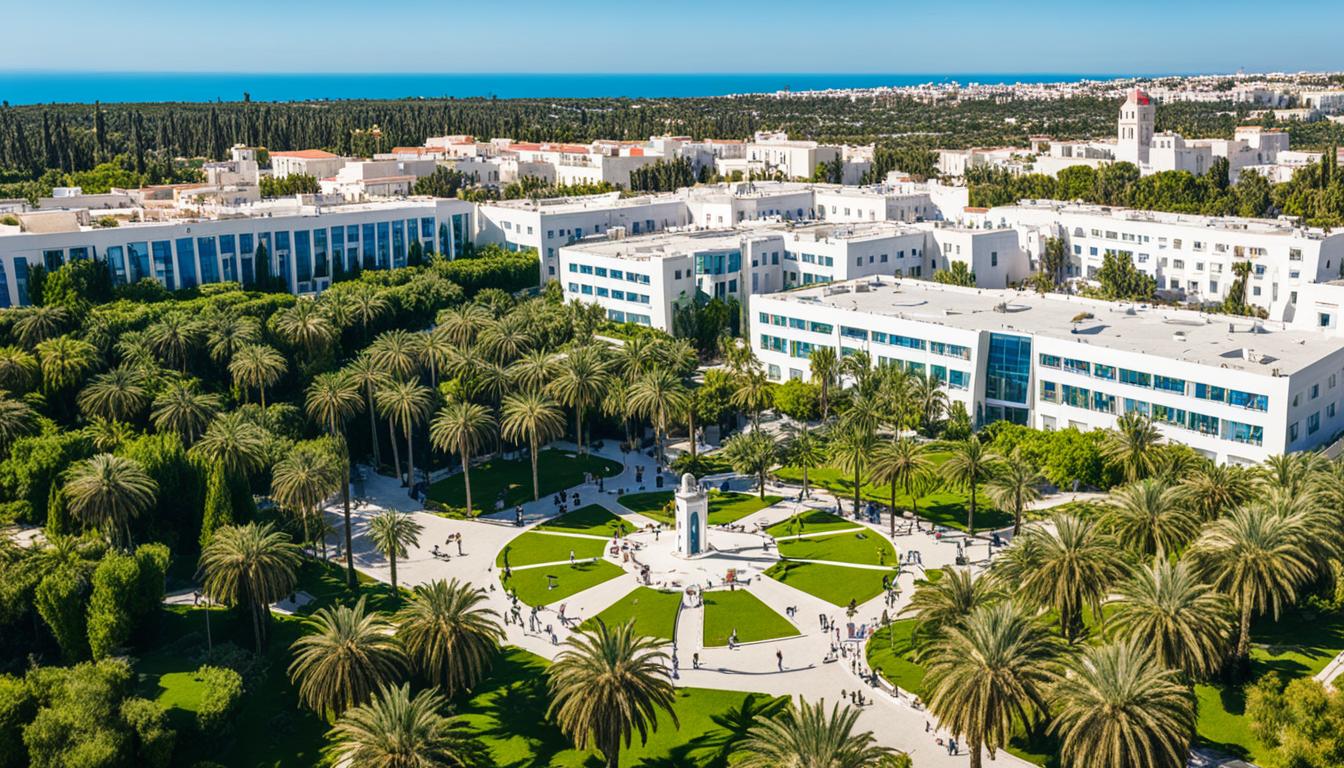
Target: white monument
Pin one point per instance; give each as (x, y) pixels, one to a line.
(692, 512)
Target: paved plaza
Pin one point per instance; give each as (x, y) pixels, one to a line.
(812, 662)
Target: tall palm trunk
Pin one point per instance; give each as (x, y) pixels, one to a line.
(466, 471)
(396, 452)
(410, 456)
(690, 424)
(893, 509)
(1243, 638)
(373, 427)
(975, 753)
(856, 490)
(970, 511)
(345, 505)
(536, 492)
(262, 388)
(578, 427)
(392, 564)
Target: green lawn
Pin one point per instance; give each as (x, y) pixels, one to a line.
(890, 652)
(866, 547)
(556, 471)
(508, 712)
(594, 520)
(724, 508)
(835, 584)
(814, 521)
(270, 705)
(944, 506)
(531, 584)
(654, 612)
(742, 611)
(532, 547)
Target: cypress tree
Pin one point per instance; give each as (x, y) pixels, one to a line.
(218, 510)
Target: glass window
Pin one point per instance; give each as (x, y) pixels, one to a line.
(303, 256)
(319, 253)
(186, 261)
(139, 261)
(1103, 371)
(163, 263)
(398, 244)
(205, 247)
(116, 261)
(1009, 368)
(370, 253)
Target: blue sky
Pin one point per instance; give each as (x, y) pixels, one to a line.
(888, 36)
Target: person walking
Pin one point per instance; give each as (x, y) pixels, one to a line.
(571, 557)
(779, 659)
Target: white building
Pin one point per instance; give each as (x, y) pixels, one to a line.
(304, 242)
(1234, 389)
(310, 162)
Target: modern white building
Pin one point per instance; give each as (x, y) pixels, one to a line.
(1234, 389)
(311, 162)
(303, 241)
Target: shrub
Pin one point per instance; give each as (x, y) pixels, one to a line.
(16, 709)
(219, 702)
(110, 617)
(153, 736)
(60, 599)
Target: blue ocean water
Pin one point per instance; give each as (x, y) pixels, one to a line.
(84, 87)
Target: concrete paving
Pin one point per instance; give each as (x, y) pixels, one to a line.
(896, 720)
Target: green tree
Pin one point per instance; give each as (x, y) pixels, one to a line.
(971, 464)
(449, 635)
(533, 418)
(463, 428)
(807, 735)
(1071, 568)
(1122, 281)
(804, 449)
(256, 366)
(250, 566)
(347, 655)
(1014, 487)
(107, 492)
(1151, 517)
(851, 448)
(752, 453)
(957, 273)
(581, 381)
(1132, 445)
(1187, 624)
(393, 534)
(405, 404)
(899, 463)
(398, 730)
(607, 685)
(332, 400)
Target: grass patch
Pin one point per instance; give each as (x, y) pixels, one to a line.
(891, 651)
(511, 479)
(593, 520)
(508, 712)
(835, 584)
(532, 547)
(942, 507)
(654, 612)
(866, 547)
(531, 584)
(742, 611)
(724, 508)
(270, 704)
(813, 521)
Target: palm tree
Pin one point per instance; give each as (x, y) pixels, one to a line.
(18, 369)
(505, 340)
(65, 360)
(580, 383)
(929, 401)
(37, 324)
(397, 730)
(395, 353)
(348, 655)
(752, 453)
(173, 339)
(1072, 568)
(657, 396)
(256, 365)
(252, 565)
(1132, 445)
(534, 369)
(1014, 487)
(332, 400)
(405, 404)
(852, 445)
(754, 393)
(305, 478)
(107, 492)
(536, 419)
(462, 324)
(1151, 517)
(393, 534)
(370, 378)
(228, 334)
(857, 364)
(946, 602)
(234, 442)
(106, 435)
(898, 463)
(825, 371)
(607, 685)
(1186, 623)
(1117, 708)
(17, 419)
(367, 306)
(805, 735)
(462, 428)
(989, 674)
(118, 394)
(449, 635)
(437, 352)
(182, 409)
(306, 326)
(803, 448)
(1215, 488)
(1258, 556)
(970, 464)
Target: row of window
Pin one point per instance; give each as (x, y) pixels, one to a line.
(1103, 402)
(613, 293)
(614, 274)
(1159, 382)
(618, 316)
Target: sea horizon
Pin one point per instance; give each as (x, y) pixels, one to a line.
(20, 87)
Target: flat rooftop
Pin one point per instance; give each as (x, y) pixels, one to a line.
(874, 230)
(1222, 223)
(1220, 341)
(664, 244)
(579, 204)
